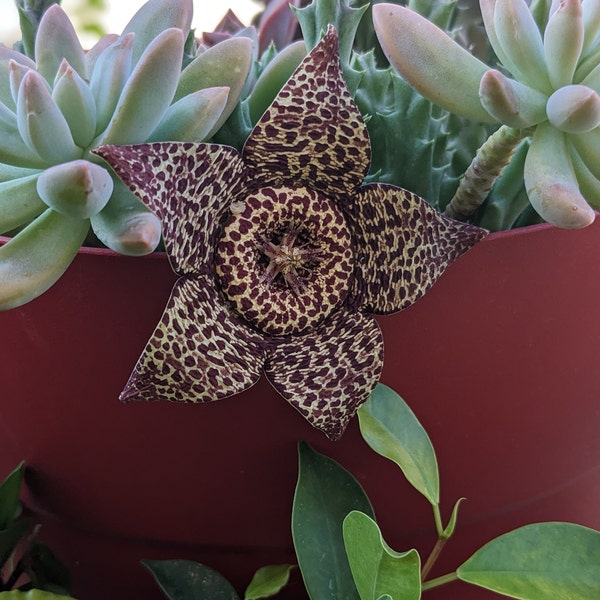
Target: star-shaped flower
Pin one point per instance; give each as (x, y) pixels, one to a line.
(283, 255)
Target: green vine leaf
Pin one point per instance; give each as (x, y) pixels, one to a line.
(32, 595)
(268, 581)
(378, 571)
(543, 561)
(189, 580)
(325, 494)
(10, 507)
(391, 428)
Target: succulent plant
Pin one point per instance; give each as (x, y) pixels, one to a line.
(61, 102)
(552, 51)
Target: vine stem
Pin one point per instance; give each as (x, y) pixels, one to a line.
(486, 167)
(432, 583)
(433, 556)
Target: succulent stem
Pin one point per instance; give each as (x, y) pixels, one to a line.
(486, 167)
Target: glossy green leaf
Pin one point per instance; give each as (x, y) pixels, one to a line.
(10, 537)
(325, 494)
(189, 580)
(378, 570)
(31, 595)
(543, 561)
(10, 506)
(268, 581)
(390, 427)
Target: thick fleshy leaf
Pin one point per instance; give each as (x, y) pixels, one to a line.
(78, 189)
(38, 256)
(6, 56)
(430, 61)
(588, 147)
(542, 560)
(268, 581)
(551, 183)
(19, 202)
(56, 40)
(328, 373)
(125, 225)
(41, 123)
(13, 150)
(187, 186)
(574, 109)
(188, 580)
(277, 24)
(313, 133)
(91, 56)
(148, 92)
(376, 568)
(589, 184)
(591, 24)
(403, 244)
(325, 494)
(193, 117)
(198, 352)
(391, 429)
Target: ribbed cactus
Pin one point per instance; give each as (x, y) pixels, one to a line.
(61, 102)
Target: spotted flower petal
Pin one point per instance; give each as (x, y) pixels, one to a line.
(403, 246)
(275, 249)
(328, 373)
(312, 133)
(187, 186)
(197, 353)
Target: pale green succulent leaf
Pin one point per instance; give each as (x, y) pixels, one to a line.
(589, 184)
(42, 125)
(511, 102)
(155, 17)
(587, 146)
(19, 202)
(91, 56)
(574, 109)
(272, 79)
(591, 24)
(13, 150)
(125, 225)
(56, 40)
(193, 117)
(592, 80)
(9, 172)
(587, 64)
(376, 568)
(226, 64)
(37, 257)
(521, 41)
(77, 189)
(76, 102)
(148, 91)
(111, 71)
(6, 55)
(551, 183)
(430, 61)
(16, 72)
(563, 42)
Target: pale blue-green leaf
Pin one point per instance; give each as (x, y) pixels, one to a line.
(192, 118)
(377, 569)
(542, 561)
(6, 55)
(588, 147)
(56, 40)
(325, 494)
(591, 24)
(76, 102)
(125, 225)
(589, 184)
(16, 73)
(430, 61)
(41, 123)
(111, 71)
(188, 580)
(563, 42)
(76, 189)
(14, 153)
(268, 581)
(225, 65)
(551, 183)
(148, 91)
(156, 16)
(19, 202)
(390, 427)
(91, 56)
(574, 109)
(37, 256)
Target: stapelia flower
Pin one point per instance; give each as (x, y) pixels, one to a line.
(283, 255)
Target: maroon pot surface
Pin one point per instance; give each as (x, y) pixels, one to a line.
(498, 361)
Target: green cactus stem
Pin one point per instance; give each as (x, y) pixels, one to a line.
(486, 167)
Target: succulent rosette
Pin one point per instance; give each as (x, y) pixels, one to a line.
(283, 255)
(553, 94)
(62, 102)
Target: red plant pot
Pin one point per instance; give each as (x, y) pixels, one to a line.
(498, 361)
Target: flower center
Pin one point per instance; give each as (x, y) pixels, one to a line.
(284, 260)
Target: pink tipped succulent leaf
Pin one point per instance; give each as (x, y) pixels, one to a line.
(283, 254)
